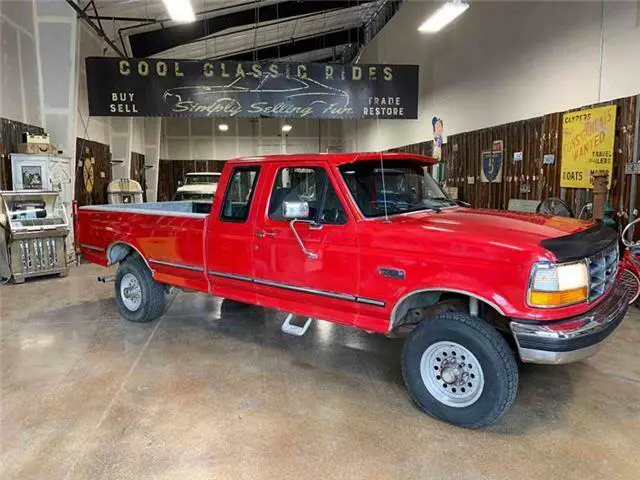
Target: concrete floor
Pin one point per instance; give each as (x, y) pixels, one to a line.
(214, 391)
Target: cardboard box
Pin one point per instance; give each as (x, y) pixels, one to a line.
(36, 138)
(37, 148)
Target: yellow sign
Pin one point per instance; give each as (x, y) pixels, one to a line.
(587, 145)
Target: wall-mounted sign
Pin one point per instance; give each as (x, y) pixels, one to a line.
(497, 146)
(587, 145)
(438, 129)
(632, 168)
(549, 159)
(491, 167)
(201, 88)
(517, 156)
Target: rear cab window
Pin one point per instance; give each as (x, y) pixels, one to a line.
(239, 194)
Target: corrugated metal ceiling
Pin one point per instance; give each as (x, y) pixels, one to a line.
(146, 23)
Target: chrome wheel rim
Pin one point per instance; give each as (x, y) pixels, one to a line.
(452, 374)
(130, 292)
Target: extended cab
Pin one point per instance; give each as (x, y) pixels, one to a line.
(371, 241)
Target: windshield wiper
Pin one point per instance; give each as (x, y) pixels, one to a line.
(423, 207)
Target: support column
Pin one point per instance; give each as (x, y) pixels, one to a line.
(152, 127)
(121, 135)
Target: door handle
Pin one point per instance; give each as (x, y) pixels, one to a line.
(263, 234)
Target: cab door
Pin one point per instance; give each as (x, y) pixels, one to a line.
(230, 234)
(315, 274)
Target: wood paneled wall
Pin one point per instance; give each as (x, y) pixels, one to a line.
(86, 150)
(10, 136)
(530, 179)
(172, 171)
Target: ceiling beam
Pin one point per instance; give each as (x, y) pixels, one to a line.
(82, 14)
(149, 43)
(299, 45)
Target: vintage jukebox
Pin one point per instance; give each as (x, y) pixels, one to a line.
(124, 190)
(33, 229)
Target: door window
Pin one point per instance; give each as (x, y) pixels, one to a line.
(311, 185)
(237, 198)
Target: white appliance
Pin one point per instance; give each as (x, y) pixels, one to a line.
(45, 172)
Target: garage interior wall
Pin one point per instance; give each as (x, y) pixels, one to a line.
(530, 178)
(502, 62)
(201, 146)
(43, 80)
(125, 136)
(200, 138)
(19, 72)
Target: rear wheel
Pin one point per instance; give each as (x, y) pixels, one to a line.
(140, 298)
(459, 369)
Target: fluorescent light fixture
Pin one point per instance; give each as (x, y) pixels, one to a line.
(223, 127)
(442, 17)
(180, 10)
(286, 128)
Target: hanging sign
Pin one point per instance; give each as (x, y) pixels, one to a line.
(587, 145)
(201, 88)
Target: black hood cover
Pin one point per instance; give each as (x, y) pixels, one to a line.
(577, 246)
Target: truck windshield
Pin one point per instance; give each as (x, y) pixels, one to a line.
(201, 179)
(405, 187)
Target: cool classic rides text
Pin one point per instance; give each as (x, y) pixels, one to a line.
(162, 68)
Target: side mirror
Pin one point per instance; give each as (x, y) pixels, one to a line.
(179, 183)
(295, 210)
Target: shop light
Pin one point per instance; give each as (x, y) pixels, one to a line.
(442, 17)
(286, 128)
(180, 10)
(223, 127)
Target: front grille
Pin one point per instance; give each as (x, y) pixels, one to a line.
(603, 267)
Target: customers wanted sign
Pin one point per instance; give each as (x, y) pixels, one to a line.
(194, 88)
(587, 145)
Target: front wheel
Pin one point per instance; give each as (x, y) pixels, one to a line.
(140, 298)
(459, 369)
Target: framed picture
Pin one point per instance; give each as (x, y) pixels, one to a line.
(31, 177)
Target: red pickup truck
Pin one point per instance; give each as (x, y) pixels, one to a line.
(371, 241)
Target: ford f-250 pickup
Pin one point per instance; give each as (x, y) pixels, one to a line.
(371, 241)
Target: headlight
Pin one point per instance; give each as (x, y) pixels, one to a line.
(558, 285)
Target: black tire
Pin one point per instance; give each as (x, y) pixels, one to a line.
(493, 354)
(153, 297)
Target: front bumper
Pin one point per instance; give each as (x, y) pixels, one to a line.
(573, 339)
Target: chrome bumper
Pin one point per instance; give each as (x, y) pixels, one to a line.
(573, 339)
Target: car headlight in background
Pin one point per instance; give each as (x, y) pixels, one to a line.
(558, 285)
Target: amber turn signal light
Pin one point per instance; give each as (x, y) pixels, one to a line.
(558, 299)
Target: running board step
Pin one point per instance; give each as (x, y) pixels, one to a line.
(297, 330)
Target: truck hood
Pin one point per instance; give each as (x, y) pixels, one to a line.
(510, 229)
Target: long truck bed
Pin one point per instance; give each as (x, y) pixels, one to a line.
(168, 235)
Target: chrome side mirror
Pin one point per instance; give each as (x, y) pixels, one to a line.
(295, 210)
